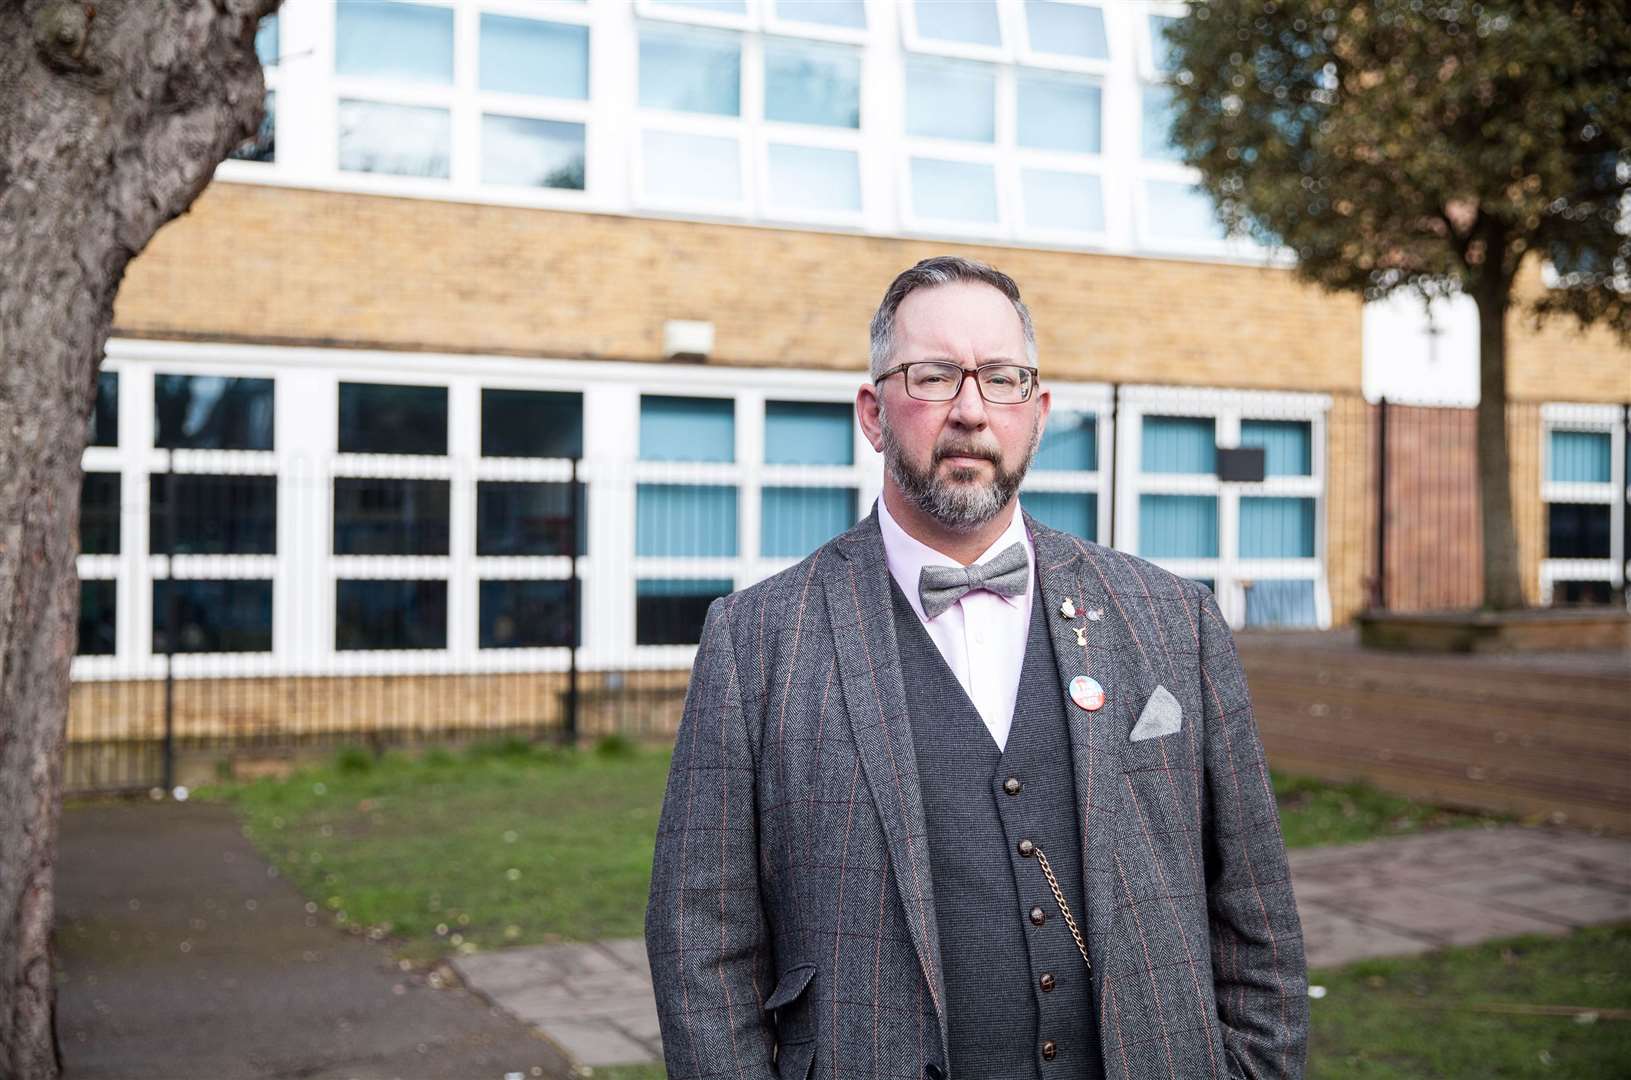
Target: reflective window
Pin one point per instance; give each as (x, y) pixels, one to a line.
(212, 515)
(809, 433)
(811, 84)
(1156, 140)
(794, 521)
(528, 614)
(209, 412)
(1066, 29)
(1178, 526)
(1059, 112)
(1069, 442)
(381, 419)
(1288, 445)
(1179, 444)
(685, 520)
(526, 152)
(1578, 530)
(105, 413)
(717, 7)
(1580, 457)
(400, 140)
(814, 178)
(1276, 528)
(266, 40)
(690, 73)
(687, 429)
(528, 56)
(99, 513)
(262, 146)
(98, 622)
(383, 40)
(670, 611)
(962, 191)
(1180, 212)
(1055, 199)
(1161, 54)
(1280, 603)
(697, 167)
(950, 100)
(212, 616)
(1074, 512)
(850, 14)
(968, 22)
(390, 615)
(531, 424)
(525, 517)
(376, 516)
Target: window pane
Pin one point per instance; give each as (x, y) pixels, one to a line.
(808, 84)
(390, 615)
(1157, 127)
(971, 22)
(954, 190)
(1288, 445)
(384, 40)
(691, 166)
(690, 73)
(687, 429)
(1581, 457)
(1577, 530)
(1062, 200)
(214, 515)
(683, 520)
(524, 152)
(847, 13)
(720, 7)
(1179, 444)
(105, 413)
(1069, 511)
(98, 626)
(262, 146)
(814, 178)
(528, 614)
(809, 433)
(531, 424)
(1280, 603)
(213, 616)
(1181, 213)
(1178, 526)
(99, 513)
(1057, 112)
(380, 419)
(375, 516)
(669, 611)
(1160, 52)
(950, 100)
(1276, 528)
(527, 56)
(208, 412)
(795, 521)
(266, 41)
(529, 518)
(399, 140)
(1066, 29)
(1070, 441)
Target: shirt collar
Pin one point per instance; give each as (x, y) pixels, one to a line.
(907, 555)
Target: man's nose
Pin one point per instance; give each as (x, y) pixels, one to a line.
(968, 407)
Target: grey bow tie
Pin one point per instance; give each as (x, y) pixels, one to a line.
(1006, 573)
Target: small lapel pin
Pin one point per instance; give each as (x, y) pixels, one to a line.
(1095, 615)
(1067, 610)
(1080, 639)
(1087, 693)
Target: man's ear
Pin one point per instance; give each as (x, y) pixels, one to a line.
(868, 411)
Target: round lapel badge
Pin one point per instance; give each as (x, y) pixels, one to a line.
(1087, 693)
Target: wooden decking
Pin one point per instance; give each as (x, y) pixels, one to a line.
(1538, 735)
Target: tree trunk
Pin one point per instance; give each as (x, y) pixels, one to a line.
(113, 116)
(1503, 584)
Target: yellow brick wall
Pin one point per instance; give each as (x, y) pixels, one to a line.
(260, 263)
(1559, 361)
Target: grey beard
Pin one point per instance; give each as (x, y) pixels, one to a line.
(959, 506)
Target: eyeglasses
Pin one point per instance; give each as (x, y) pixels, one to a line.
(934, 380)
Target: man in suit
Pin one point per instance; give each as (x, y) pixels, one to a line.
(963, 796)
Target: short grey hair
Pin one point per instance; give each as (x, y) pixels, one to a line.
(941, 270)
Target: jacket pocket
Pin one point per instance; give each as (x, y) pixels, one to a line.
(791, 1007)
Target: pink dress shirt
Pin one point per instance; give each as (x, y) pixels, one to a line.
(982, 636)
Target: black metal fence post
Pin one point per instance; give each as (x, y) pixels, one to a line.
(574, 613)
(171, 609)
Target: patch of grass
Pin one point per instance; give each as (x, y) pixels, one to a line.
(1314, 813)
(1476, 1012)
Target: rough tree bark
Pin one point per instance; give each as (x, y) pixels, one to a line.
(113, 116)
(1503, 577)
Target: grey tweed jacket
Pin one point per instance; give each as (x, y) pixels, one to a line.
(791, 926)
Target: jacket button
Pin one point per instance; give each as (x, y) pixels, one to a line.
(1048, 1050)
(1012, 785)
(1026, 848)
(1047, 983)
(1038, 916)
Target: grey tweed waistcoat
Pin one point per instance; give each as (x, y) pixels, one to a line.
(1002, 938)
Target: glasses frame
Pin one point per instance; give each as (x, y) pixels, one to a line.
(962, 375)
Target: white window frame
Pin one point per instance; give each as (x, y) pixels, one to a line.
(1595, 419)
(1027, 54)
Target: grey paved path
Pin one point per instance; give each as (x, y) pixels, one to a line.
(1384, 898)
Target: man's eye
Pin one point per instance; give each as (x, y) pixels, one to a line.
(933, 377)
(999, 378)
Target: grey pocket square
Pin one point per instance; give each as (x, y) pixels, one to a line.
(1162, 715)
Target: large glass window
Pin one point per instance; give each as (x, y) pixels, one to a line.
(947, 99)
(531, 424)
(968, 22)
(212, 616)
(1178, 526)
(390, 615)
(1288, 445)
(955, 191)
(1580, 457)
(98, 622)
(210, 412)
(1069, 442)
(814, 178)
(809, 433)
(376, 516)
(1276, 528)
(1059, 112)
(1073, 30)
(379, 39)
(524, 151)
(687, 429)
(1578, 530)
(810, 84)
(1156, 133)
(401, 140)
(1070, 201)
(797, 520)
(1075, 512)
(1281, 603)
(529, 518)
(530, 56)
(99, 514)
(528, 614)
(848, 14)
(1178, 213)
(1179, 444)
(681, 166)
(694, 520)
(671, 611)
(688, 72)
(105, 413)
(382, 419)
(212, 515)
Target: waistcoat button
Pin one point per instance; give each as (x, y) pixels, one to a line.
(1048, 1050)
(1047, 983)
(1026, 848)
(1038, 916)
(1012, 785)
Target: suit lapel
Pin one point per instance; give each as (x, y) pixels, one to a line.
(862, 613)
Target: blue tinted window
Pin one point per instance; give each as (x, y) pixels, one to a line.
(1069, 442)
(1179, 444)
(797, 520)
(697, 520)
(814, 178)
(807, 84)
(266, 41)
(390, 615)
(397, 140)
(1157, 130)
(1581, 457)
(1066, 29)
(687, 429)
(1056, 199)
(1288, 445)
(528, 56)
(382, 40)
(690, 73)
(1276, 528)
(1059, 112)
(969, 22)
(1068, 511)
(525, 152)
(1280, 603)
(213, 616)
(845, 13)
(1161, 54)
(1178, 526)
(954, 190)
(1181, 214)
(950, 100)
(209, 412)
(809, 433)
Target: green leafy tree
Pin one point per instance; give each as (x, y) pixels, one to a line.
(1428, 146)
